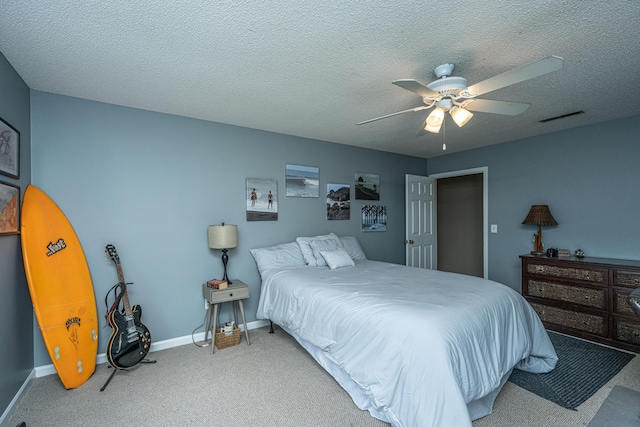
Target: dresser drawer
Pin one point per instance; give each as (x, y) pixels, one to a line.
(585, 274)
(628, 331)
(232, 293)
(621, 304)
(582, 321)
(626, 278)
(567, 293)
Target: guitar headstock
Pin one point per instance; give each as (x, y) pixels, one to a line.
(112, 254)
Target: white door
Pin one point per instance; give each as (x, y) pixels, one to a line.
(420, 234)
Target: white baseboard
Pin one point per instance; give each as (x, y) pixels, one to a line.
(7, 412)
(43, 371)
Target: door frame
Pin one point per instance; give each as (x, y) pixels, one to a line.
(484, 170)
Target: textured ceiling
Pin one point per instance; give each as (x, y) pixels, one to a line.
(314, 69)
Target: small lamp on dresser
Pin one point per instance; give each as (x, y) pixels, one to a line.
(539, 215)
(224, 237)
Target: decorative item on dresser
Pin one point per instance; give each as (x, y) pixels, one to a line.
(585, 297)
(539, 215)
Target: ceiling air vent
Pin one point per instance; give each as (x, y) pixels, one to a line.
(562, 116)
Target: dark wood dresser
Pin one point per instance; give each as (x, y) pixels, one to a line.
(585, 297)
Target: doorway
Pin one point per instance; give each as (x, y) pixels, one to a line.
(480, 213)
(460, 234)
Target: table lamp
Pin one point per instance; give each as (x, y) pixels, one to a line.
(539, 215)
(224, 237)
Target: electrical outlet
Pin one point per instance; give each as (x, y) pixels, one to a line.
(206, 304)
(494, 228)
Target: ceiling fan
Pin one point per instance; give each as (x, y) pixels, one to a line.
(451, 94)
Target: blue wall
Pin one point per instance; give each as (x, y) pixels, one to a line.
(151, 183)
(16, 312)
(589, 177)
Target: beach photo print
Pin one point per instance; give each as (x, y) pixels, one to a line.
(262, 199)
(302, 181)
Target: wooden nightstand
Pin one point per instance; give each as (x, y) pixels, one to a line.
(235, 293)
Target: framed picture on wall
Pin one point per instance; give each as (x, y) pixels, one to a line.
(367, 186)
(262, 199)
(9, 203)
(302, 181)
(374, 218)
(338, 201)
(9, 150)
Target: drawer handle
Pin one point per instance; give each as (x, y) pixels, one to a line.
(231, 294)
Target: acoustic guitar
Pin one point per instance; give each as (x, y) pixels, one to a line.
(130, 341)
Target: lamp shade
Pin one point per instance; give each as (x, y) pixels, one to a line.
(224, 236)
(539, 215)
(436, 117)
(432, 129)
(460, 116)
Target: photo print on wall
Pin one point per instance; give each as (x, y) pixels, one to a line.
(262, 199)
(374, 218)
(302, 181)
(367, 186)
(338, 201)
(9, 205)
(9, 150)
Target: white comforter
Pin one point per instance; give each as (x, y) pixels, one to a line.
(421, 344)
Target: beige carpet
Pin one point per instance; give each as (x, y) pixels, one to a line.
(272, 382)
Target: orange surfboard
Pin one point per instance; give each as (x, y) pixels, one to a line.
(60, 286)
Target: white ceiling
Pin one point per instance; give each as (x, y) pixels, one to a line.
(315, 68)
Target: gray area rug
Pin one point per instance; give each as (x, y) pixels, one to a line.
(582, 369)
(621, 409)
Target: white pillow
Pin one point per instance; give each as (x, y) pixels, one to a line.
(307, 252)
(283, 255)
(337, 258)
(317, 246)
(353, 247)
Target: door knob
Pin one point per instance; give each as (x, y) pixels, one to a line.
(409, 241)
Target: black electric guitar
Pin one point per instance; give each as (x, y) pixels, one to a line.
(130, 341)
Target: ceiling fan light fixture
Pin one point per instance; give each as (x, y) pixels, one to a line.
(460, 116)
(432, 129)
(436, 117)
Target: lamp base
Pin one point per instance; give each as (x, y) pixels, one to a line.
(225, 259)
(536, 253)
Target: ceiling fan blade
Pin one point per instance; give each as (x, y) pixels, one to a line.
(411, 110)
(497, 107)
(517, 75)
(415, 87)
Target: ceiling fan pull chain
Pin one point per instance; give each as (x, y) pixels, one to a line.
(444, 134)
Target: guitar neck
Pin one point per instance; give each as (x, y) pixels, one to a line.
(125, 296)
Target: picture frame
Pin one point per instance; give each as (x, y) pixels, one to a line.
(367, 186)
(338, 201)
(262, 199)
(374, 218)
(9, 209)
(9, 150)
(302, 181)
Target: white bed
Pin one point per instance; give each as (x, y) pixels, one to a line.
(414, 347)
